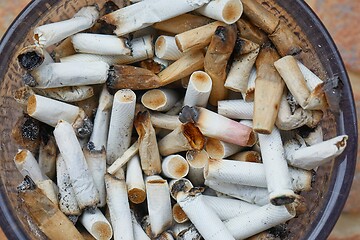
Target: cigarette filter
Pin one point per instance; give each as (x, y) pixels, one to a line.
(218, 149)
(249, 31)
(160, 99)
(197, 161)
(227, 11)
(178, 214)
(175, 167)
(247, 156)
(198, 89)
(135, 181)
(96, 224)
(166, 48)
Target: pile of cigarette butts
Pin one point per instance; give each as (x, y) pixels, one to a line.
(159, 119)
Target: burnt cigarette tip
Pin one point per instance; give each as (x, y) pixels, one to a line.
(29, 80)
(112, 77)
(282, 200)
(26, 184)
(30, 60)
(189, 114)
(86, 129)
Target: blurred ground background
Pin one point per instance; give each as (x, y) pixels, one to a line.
(342, 19)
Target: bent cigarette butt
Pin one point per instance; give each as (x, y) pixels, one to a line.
(64, 49)
(135, 181)
(31, 57)
(118, 203)
(100, 44)
(197, 38)
(238, 77)
(96, 224)
(129, 77)
(83, 184)
(148, 147)
(184, 66)
(209, 124)
(227, 11)
(227, 208)
(47, 157)
(122, 160)
(179, 215)
(179, 185)
(259, 220)
(121, 124)
(52, 33)
(27, 165)
(251, 32)
(159, 204)
(216, 59)
(50, 220)
(67, 199)
(185, 137)
(313, 156)
(67, 94)
(166, 48)
(247, 156)
(285, 41)
(197, 161)
(218, 149)
(175, 167)
(160, 99)
(203, 217)
(236, 109)
(259, 16)
(62, 74)
(164, 121)
(146, 13)
(269, 88)
(198, 90)
(182, 23)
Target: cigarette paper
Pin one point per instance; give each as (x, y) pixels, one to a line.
(227, 11)
(50, 220)
(142, 48)
(198, 90)
(184, 66)
(100, 44)
(318, 154)
(135, 78)
(135, 181)
(276, 168)
(96, 161)
(247, 156)
(249, 31)
(183, 138)
(121, 123)
(216, 126)
(227, 208)
(179, 185)
(27, 165)
(148, 147)
(254, 195)
(236, 109)
(98, 138)
(218, 149)
(67, 94)
(216, 59)
(182, 23)
(52, 33)
(146, 13)
(164, 121)
(268, 91)
(203, 217)
(121, 161)
(175, 167)
(63, 74)
(139, 233)
(32, 57)
(285, 41)
(159, 204)
(83, 184)
(96, 224)
(67, 200)
(179, 215)
(314, 137)
(118, 203)
(166, 48)
(249, 95)
(47, 157)
(197, 161)
(160, 99)
(259, 220)
(238, 77)
(312, 81)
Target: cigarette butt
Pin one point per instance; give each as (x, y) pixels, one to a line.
(31, 57)
(184, 66)
(244, 46)
(164, 121)
(251, 32)
(135, 181)
(121, 124)
(175, 167)
(182, 23)
(134, 78)
(122, 160)
(96, 224)
(218, 149)
(285, 41)
(247, 156)
(166, 48)
(179, 185)
(197, 161)
(148, 147)
(47, 157)
(160, 99)
(50, 220)
(236, 109)
(64, 49)
(216, 59)
(227, 11)
(67, 94)
(178, 214)
(27, 165)
(259, 16)
(198, 89)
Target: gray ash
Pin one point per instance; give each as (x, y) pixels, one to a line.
(29, 80)
(30, 129)
(30, 60)
(189, 114)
